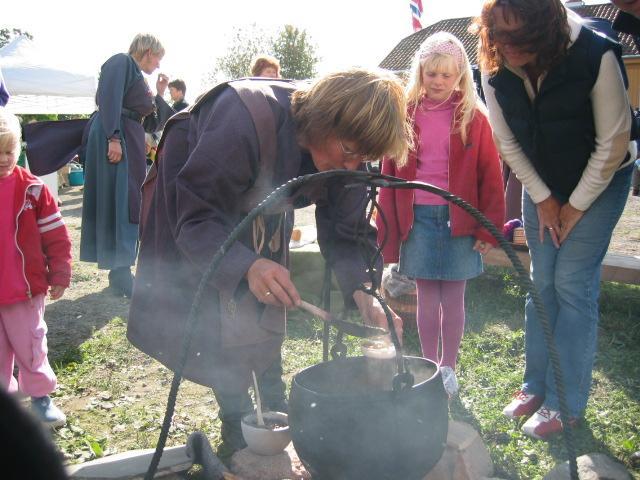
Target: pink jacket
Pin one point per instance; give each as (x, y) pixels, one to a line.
(474, 176)
(41, 236)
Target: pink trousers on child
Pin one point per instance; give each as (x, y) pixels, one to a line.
(23, 339)
(441, 319)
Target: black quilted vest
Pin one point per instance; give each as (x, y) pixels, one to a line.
(556, 131)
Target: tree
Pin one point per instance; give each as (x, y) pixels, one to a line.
(296, 53)
(8, 34)
(291, 46)
(236, 63)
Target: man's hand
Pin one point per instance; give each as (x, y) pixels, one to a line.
(114, 153)
(549, 219)
(271, 283)
(56, 292)
(373, 313)
(569, 218)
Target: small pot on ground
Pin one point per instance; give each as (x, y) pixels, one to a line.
(270, 438)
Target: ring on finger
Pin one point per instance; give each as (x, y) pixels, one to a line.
(267, 293)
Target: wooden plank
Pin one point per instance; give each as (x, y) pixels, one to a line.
(496, 256)
(615, 267)
(621, 268)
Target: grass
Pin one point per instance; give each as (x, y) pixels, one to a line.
(115, 396)
(491, 365)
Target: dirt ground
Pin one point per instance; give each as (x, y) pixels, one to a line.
(88, 305)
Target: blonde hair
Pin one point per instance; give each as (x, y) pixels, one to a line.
(361, 106)
(261, 62)
(432, 57)
(10, 131)
(144, 42)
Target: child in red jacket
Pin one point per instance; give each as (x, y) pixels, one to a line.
(438, 243)
(36, 254)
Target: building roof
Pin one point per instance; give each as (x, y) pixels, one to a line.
(401, 56)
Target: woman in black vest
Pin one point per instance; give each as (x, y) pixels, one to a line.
(561, 118)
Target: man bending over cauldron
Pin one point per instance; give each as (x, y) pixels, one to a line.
(210, 163)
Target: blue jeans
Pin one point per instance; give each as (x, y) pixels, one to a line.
(568, 281)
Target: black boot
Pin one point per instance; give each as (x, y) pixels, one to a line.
(121, 281)
(231, 410)
(273, 389)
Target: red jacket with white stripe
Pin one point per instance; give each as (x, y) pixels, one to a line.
(41, 236)
(474, 176)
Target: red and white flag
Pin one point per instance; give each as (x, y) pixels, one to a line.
(416, 14)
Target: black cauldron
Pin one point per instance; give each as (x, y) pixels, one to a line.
(346, 427)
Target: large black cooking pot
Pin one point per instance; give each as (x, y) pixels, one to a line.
(345, 425)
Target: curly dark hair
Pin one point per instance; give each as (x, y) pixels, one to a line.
(179, 84)
(545, 32)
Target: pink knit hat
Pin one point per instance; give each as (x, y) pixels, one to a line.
(445, 44)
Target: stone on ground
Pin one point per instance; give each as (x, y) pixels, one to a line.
(465, 457)
(286, 465)
(592, 466)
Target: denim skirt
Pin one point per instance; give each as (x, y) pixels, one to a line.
(432, 253)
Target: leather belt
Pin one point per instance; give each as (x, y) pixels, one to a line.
(135, 116)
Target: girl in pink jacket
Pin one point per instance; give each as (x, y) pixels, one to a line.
(437, 243)
(36, 255)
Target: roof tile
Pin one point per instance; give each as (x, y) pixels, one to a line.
(401, 56)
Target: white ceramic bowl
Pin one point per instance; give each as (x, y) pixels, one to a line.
(264, 441)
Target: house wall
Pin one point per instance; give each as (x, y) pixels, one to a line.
(633, 72)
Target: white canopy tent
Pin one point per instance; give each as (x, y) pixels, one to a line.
(40, 82)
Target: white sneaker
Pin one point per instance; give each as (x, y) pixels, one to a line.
(523, 405)
(449, 380)
(47, 412)
(545, 423)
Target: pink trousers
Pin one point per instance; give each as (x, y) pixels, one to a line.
(23, 340)
(441, 319)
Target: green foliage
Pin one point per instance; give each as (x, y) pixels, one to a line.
(236, 63)
(8, 34)
(296, 53)
(38, 117)
(45, 117)
(291, 46)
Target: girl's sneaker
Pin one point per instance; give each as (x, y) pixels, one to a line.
(449, 380)
(47, 412)
(523, 405)
(544, 423)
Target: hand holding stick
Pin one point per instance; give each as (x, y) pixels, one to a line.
(350, 328)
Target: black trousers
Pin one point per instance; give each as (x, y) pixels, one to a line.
(232, 407)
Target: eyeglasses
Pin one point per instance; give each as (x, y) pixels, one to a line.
(363, 157)
(515, 38)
